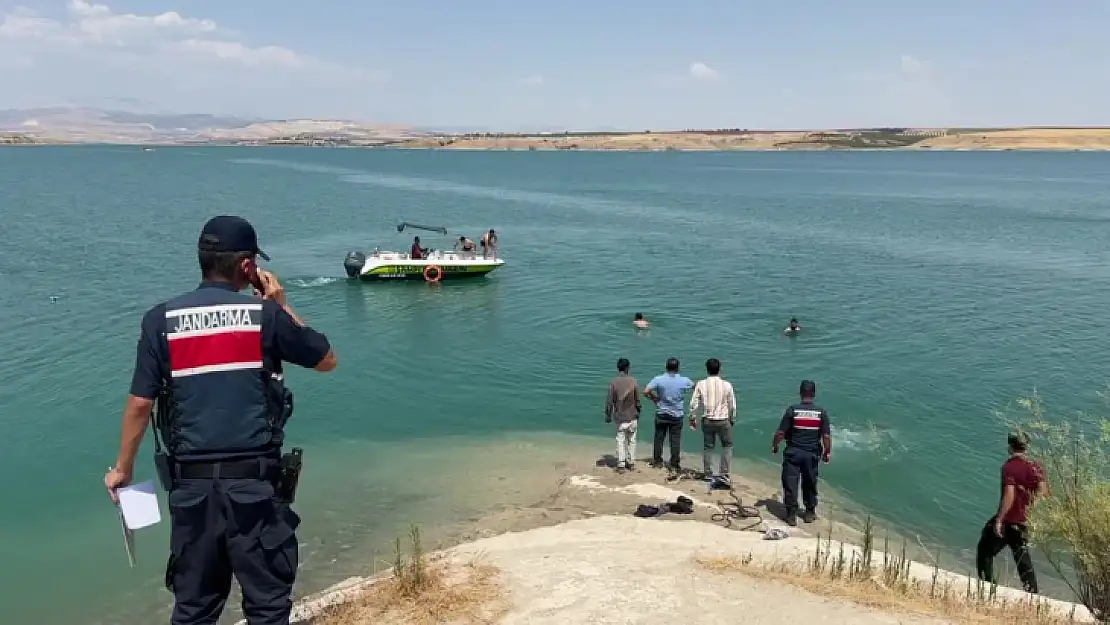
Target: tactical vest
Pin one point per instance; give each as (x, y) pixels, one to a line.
(806, 431)
(221, 389)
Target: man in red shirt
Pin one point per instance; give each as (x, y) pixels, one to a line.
(417, 252)
(1022, 480)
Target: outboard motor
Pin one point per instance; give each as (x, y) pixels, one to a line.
(354, 263)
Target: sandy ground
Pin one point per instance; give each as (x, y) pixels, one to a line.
(1024, 139)
(620, 142)
(629, 570)
(956, 139)
(580, 556)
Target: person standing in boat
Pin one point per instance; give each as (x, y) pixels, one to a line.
(489, 244)
(417, 252)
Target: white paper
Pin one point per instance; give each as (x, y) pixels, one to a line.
(138, 505)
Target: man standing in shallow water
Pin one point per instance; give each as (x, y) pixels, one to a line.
(623, 406)
(668, 392)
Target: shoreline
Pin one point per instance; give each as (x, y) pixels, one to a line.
(1047, 139)
(580, 541)
(579, 492)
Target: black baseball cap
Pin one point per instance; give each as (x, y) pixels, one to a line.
(228, 233)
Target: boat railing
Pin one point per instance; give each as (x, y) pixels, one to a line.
(435, 255)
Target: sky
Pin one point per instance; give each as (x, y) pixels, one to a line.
(571, 64)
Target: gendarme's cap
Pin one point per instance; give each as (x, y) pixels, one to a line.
(227, 233)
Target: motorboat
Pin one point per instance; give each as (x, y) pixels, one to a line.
(435, 266)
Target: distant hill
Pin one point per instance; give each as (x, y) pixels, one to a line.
(91, 125)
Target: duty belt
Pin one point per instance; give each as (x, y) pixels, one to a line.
(252, 469)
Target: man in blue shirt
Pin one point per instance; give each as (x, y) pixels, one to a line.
(668, 392)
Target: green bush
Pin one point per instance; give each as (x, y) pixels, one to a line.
(1070, 525)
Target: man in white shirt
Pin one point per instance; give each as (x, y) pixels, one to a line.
(715, 396)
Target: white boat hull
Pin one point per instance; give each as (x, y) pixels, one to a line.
(392, 266)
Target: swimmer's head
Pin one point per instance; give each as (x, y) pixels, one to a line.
(713, 366)
(638, 317)
(416, 239)
(462, 238)
(672, 365)
(623, 365)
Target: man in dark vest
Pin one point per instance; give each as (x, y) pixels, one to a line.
(805, 428)
(212, 358)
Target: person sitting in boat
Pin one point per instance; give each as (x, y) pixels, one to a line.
(466, 244)
(639, 321)
(417, 252)
(793, 328)
(489, 244)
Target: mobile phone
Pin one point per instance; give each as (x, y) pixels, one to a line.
(256, 282)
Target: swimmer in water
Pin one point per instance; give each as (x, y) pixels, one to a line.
(793, 328)
(639, 321)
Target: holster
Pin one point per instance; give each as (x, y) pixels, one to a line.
(289, 475)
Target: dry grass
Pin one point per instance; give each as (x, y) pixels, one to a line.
(889, 585)
(425, 590)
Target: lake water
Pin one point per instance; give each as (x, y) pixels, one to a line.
(934, 288)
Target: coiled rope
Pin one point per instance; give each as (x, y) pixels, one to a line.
(738, 511)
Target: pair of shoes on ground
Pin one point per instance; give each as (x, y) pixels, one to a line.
(625, 466)
(683, 505)
(809, 516)
(717, 481)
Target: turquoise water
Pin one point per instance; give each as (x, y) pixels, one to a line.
(933, 288)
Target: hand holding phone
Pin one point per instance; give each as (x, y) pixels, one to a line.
(266, 285)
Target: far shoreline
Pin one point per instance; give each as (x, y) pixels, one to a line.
(1034, 139)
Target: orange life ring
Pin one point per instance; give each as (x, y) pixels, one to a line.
(438, 276)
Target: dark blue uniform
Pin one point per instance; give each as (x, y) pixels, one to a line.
(804, 426)
(220, 353)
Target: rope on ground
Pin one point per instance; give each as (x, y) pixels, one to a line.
(737, 510)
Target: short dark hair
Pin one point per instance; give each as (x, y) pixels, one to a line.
(808, 388)
(462, 238)
(793, 320)
(713, 366)
(672, 364)
(639, 316)
(1018, 441)
(623, 364)
(220, 265)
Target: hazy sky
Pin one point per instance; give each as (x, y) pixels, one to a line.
(571, 63)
